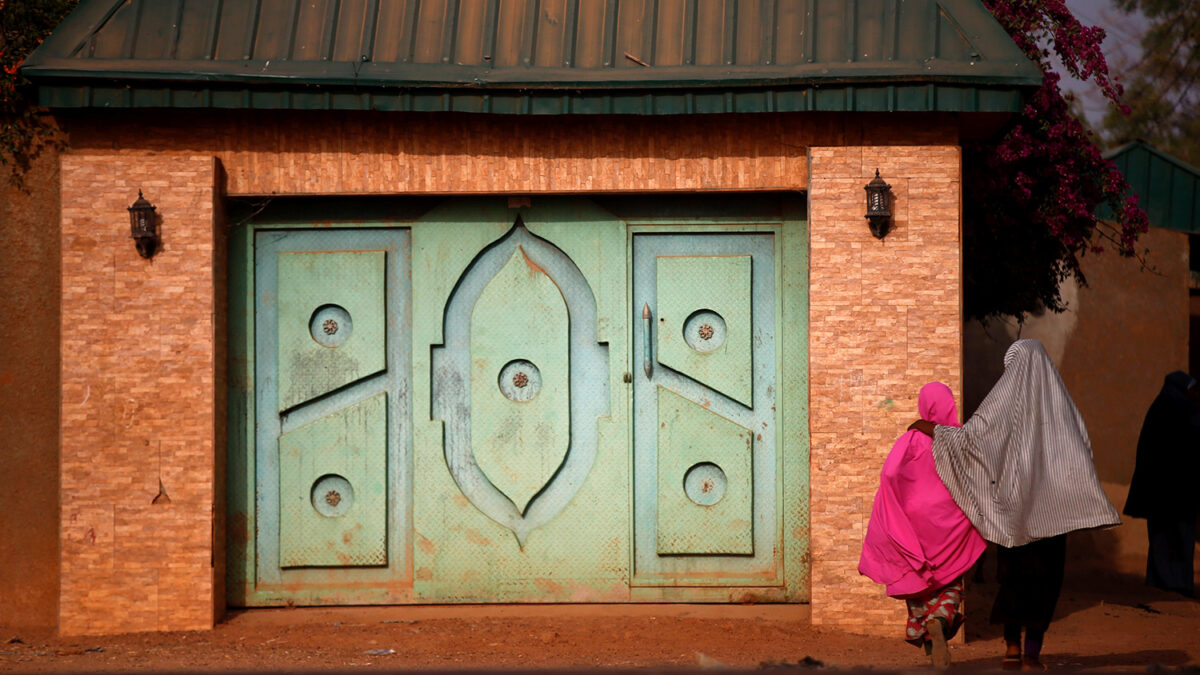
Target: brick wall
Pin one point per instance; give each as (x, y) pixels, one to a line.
(138, 397)
(884, 320)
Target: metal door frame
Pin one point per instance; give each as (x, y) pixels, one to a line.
(699, 579)
(273, 583)
(742, 213)
(242, 588)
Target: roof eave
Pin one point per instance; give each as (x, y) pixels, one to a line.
(391, 75)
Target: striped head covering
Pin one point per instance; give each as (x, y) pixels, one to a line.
(1021, 467)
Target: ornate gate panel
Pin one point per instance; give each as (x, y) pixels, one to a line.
(332, 421)
(521, 481)
(705, 416)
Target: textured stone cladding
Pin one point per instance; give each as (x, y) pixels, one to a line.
(138, 397)
(143, 341)
(884, 320)
(324, 153)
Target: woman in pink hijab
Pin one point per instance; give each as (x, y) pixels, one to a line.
(919, 543)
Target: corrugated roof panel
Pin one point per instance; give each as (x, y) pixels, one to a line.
(1185, 198)
(870, 43)
(273, 23)
(953, 43)
(569, 45)
(790, 21)
(669, 35)
(828, 42)
(108, 44)
(911, 27)
(194, 26)
(314, 29)
(1168, 190)
(1157, 191)
(590, 49)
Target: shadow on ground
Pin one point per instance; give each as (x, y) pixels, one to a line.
(1147, 658)
(1085, 586)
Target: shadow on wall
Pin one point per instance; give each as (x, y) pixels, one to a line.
(984, 345)
(983, 361)
(1119, 337)
(29, 397)
(1117, 340)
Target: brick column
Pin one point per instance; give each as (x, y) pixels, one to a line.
(139, 411)
(884, 320)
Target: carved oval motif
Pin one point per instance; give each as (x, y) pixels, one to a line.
(520, 462)
(519, 444)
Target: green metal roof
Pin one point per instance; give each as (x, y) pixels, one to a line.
(1168, 190)
(534, 56)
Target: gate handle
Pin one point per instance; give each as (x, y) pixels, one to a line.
(646, 328)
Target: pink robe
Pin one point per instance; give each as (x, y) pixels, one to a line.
(918, 539)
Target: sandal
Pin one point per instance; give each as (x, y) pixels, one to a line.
(1032, 663)
(1012, 658)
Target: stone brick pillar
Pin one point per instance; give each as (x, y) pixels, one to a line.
(884, 320)
(140, 371)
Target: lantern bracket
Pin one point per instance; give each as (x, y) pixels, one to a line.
(879, 206)
(143, 226)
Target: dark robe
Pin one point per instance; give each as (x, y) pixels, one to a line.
(1031, 578)
(1164, 487)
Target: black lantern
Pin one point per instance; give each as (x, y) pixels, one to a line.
(142, 227)
(879, 206)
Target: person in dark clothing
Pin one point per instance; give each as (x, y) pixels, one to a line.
(1163, 489)
(1031, 578)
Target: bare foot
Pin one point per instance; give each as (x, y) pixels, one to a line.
(939, 650)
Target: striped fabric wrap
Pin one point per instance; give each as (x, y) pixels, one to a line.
(1021, 467)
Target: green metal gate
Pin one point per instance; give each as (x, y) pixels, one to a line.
(560, 402)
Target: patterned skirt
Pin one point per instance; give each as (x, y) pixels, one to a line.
(943, 603)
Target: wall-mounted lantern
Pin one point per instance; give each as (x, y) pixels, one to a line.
(142, 227)
(879, 206)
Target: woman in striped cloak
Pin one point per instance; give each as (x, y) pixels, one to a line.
(1021, 469)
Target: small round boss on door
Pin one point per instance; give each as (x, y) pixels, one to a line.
(330, 326)
(332, 495)
(704, 331)
(519, 380)
(704, 483)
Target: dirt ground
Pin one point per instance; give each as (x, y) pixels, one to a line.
(1105, 621)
